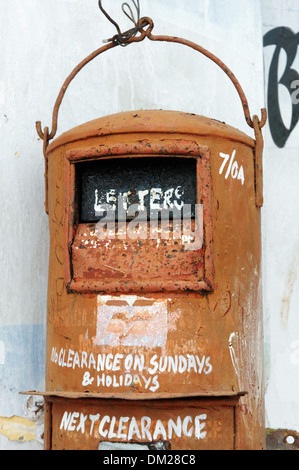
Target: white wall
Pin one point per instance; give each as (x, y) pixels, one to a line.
(41, 42)
(281, 239)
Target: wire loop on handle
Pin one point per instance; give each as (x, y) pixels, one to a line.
(142, 29)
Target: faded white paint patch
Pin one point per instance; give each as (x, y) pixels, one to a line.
(113, 446)
(17, 428)
(232, 351)
(130, 320)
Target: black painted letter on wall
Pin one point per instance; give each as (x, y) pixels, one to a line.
(284, 39)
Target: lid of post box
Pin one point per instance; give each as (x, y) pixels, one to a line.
(151, 121)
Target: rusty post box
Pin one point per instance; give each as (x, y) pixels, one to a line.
(154, 326)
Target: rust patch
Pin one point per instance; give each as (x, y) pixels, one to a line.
(146, 261)
(282, 439)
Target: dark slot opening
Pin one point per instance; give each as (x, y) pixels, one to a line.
(122, 188)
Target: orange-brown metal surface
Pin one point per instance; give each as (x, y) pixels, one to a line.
(137, 319)
(177, 425)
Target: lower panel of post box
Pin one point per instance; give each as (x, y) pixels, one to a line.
(98, 424)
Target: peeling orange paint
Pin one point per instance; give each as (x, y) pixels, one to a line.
(289, 286)
(18, 429)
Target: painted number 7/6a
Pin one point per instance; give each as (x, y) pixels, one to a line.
(231, 167)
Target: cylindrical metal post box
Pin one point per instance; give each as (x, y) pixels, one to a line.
(154, 326)
(150, 316)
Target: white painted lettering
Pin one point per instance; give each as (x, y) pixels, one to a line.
(69, 359)
(199, 426)
(109, 361)
(156, 195)
(200, 363)
(111, 198)
(132, 370)
(92, 362)
(93, 419)
(142, 195)
(208, 368)
(65, 420)
(179, 192)
(233, 169)
(121, 427)
(72, 423)
(76, 361)
(159, 431)
(81, 425)
(84, 359)
(105, 420)
(187, 420)
(155, 383)
(154, 363)
(175, 427)
(145, 427)
(101, 362)
(112, 434)
(168, 204)
(182, 364)
(129, 362)
(132, 428)
(116, 362)
(147, 382)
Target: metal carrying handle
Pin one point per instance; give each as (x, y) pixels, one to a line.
(143, 27)
(128, 38)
